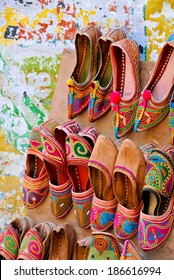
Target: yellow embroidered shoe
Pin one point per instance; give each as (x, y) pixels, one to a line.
(79, 84)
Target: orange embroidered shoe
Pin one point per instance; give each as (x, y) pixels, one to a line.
(79, 84)
(128, 181)
(78, 150)
(154, 101)
(101, 169)
(101, 87)
(157, 215)
(11, 237)
(36, 180)
(55, 162)
(130, 252)
(36, 242)
(126, 86)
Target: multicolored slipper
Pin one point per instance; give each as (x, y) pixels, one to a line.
(171, 120)
(36, 242)
(101, 168)
(104, 246)
(154, 101)
(126, 85)
(130, 252)
(128, 182)
(63, 240)
(79, 84)
(11, 237)
(55, 162)
(82, 248)
(36, 180)
(78, 150)
(147, 150)
(157, 215)
(101, 87)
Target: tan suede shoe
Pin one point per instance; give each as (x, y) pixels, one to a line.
(101, 166)
(128, 181)
(63, 240)
(82, 248)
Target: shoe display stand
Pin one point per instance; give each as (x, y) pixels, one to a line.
(157, 135)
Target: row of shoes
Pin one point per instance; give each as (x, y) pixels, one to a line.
(21, 239)
(109, 185)
(106, 75)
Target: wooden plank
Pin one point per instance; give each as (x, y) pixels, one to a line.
(157, 135)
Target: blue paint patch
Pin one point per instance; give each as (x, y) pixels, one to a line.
(2, 196)
(171, 38)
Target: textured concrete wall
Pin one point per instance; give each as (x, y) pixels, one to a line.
(33, 34)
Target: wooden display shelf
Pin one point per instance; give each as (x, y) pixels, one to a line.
(157, 135)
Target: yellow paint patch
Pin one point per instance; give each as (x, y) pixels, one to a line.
(160, 26)
(11, 16)
(10, 186)
(108, 23)
(6, 147)
(85, 15)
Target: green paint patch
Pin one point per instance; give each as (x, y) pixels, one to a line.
(49, 65)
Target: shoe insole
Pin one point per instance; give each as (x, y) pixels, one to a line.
(80, 178)
(165, 78)
(60, 136)
(152, 204)
(124, 190)
(100, 185)
(124, 78)
(105, 73)
(34, 166)
(83, 67)
(55, 174)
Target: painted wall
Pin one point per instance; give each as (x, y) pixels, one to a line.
(33, 34)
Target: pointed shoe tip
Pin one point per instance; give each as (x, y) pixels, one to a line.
(136, 125)
(116, 133)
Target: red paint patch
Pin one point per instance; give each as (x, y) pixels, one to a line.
(68, 29)
(44, 3)
(112, 8)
